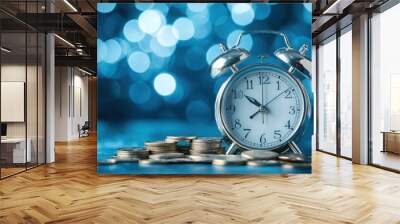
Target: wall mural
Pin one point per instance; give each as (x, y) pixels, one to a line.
(204, 88)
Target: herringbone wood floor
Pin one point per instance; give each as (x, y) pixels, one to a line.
(70, 191)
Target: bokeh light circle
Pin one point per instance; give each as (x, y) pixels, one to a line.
(144, 44)
(114, 51)
(197, 7)
(167, 36)
(202, 31)
(164, 84)
(184, 28)
(177, 96)
(132, 32)
(150, 21)
(262, 11)
(246, 41)
(125, 47)
(159, 50)
(106, 7)
(139, 92)
(242, 14)
(102, 50)
(212, 53)
(144, 6)
(139, 62)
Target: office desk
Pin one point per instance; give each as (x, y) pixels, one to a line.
(391, 141)
(13, 150)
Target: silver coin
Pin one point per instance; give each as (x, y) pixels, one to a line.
(159, 144)
(107, 162)
(127, 160)
(224, 160)
(147, 161)
(166, 161)
(173, 155)
(263, 163)
(205, 158)
(175, 139)
(259, 154)
(207, 139)
(292, 157)
(132, 149)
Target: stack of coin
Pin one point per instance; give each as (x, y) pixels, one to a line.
(183, 143)
(259, 154)
(182, 160)
(292, 157)
(107, 162)
(160, 147)
(131, 154)
(206, 146)
(203, 158)
(226, 160)
(263, 163)
(170, 155)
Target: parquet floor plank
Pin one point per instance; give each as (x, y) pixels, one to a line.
(70, 191)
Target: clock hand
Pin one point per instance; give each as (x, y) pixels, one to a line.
(262, 97)
(253, 101)
(276, 97)
(253, 115)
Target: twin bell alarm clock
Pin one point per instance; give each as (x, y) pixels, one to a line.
(261, 106)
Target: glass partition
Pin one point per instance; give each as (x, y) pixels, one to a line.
(22, 89)
(327, 96)
(14, 145)
(346, 93)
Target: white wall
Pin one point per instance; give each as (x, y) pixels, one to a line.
(71, 102)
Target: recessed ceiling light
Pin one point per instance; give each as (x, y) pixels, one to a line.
(84, 71)
(70, 5)
(5, 50)
(64, 40)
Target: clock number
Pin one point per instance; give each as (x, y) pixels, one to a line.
(237, 124)
(263, 79)
(278, 86)
(249, 84)
(231, 108)
(237, 94)
(277, 134)
(288, 94)
(288, 125)
(292, 110)
(247, 132)
(263, 139)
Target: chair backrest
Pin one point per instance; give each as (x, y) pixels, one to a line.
(86, 124)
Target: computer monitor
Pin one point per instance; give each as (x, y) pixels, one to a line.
(3, 129)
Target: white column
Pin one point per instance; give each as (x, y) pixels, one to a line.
(50, 99)
(360, 90)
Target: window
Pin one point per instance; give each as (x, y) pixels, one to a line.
(346, 93)
(327, 96)
(385, 89)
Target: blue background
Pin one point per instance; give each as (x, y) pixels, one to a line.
(153, 72)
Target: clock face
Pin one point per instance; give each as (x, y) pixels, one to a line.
(262, 107)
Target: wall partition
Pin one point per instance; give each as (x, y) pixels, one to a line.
(22, 77)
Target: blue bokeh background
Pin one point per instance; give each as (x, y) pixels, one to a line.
(153, 66)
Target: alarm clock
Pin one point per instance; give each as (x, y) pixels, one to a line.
(261, 106)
